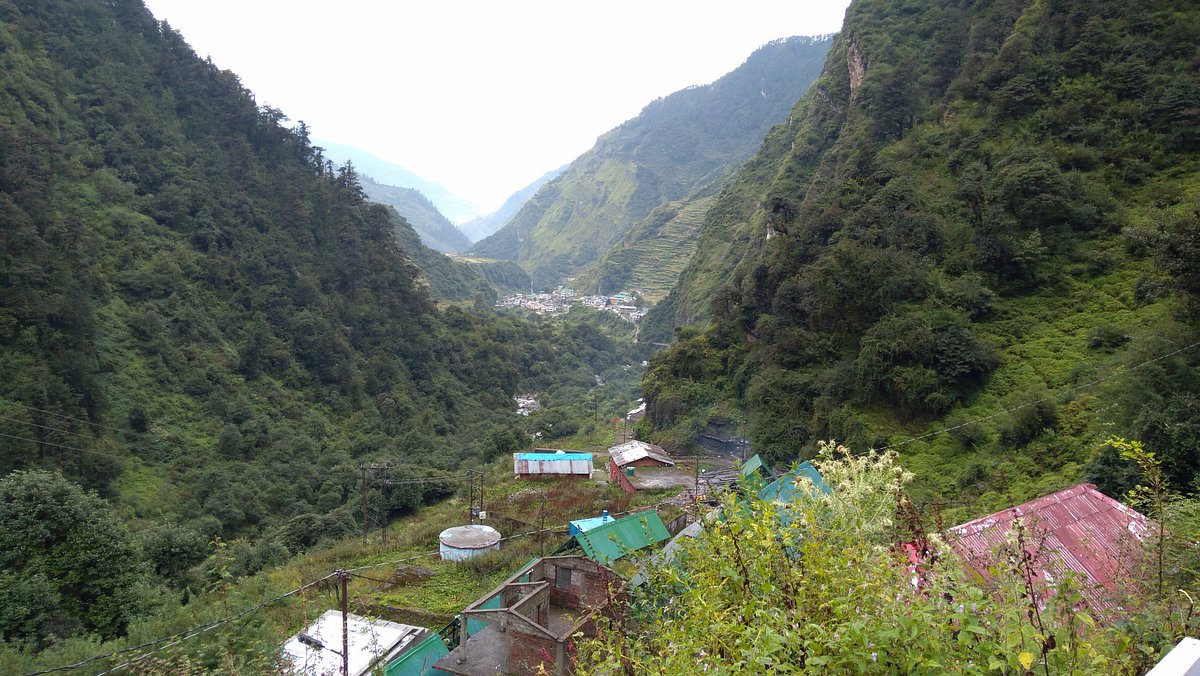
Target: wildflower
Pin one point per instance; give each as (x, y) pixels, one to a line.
(874, 657)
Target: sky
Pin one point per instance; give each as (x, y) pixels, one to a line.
(480, 96)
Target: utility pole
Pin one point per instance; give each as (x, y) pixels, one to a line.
(542, 524)
(470, 496)
(362, 493)
(474, 509)
(343, 583)
(383, 488)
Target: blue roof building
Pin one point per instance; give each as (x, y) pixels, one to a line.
(584, 525)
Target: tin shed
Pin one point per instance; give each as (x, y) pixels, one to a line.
(552, 463)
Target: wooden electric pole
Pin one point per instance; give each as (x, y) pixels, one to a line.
(343, 583)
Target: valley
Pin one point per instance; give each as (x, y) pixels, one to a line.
(936, 266)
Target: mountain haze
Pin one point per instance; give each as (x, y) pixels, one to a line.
(677, 145)
(454, 207)
(208, 325)
(482, 226)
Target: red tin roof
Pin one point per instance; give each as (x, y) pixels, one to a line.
(1080, 529)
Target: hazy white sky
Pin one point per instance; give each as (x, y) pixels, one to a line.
(481, 96)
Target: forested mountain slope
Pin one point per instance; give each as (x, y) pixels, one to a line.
(205, 321)
(677, 145)
(976, 209)
(436, 231)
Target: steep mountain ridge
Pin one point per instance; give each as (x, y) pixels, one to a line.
(194, 304)
(677, 145)
(650, 258)
(973, 207)
(436, 231)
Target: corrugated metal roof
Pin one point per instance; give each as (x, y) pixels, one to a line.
(631, 451)
(554, 456)
(1080, 529)
(667, 554)
(754, 464)
(787, 487)
(584, 525)
(370, 641)
(611, 541)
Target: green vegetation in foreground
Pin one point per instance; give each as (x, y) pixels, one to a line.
(820, 586)
(205, 322)
(423, 591)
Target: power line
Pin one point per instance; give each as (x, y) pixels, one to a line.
(552, 529)
(72, 448)
(180, 636)
(45, 427)
(60, 415)
(1014, 409)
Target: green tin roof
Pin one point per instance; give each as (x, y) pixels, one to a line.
(754, 464)
(784, 488)
(615, 539)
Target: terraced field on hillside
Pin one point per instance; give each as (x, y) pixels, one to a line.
(654, 253)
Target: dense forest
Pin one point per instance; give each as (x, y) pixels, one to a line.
(978, 210)
(205, 329)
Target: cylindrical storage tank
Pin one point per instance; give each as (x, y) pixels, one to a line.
(464, 542)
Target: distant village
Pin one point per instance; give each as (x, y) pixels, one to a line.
(560, 300)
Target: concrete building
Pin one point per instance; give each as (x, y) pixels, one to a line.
(528, 622)
(317, 650)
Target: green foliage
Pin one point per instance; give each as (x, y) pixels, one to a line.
(205, 321)
(821, 585)
(972, 208)
(68, 563)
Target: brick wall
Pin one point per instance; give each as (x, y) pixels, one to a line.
(615, 474)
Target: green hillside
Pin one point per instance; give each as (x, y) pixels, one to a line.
(389, 173)
(436, 231)
(676, 146)
(482, 226)
(207, 323)
(976, 212)
(653, 255)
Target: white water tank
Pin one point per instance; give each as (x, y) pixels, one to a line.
(464, 542)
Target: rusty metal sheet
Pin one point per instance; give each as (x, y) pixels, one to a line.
(1079, 529)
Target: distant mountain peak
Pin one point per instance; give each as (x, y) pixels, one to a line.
(454, 207)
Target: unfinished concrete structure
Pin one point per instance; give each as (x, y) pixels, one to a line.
(530, 619)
